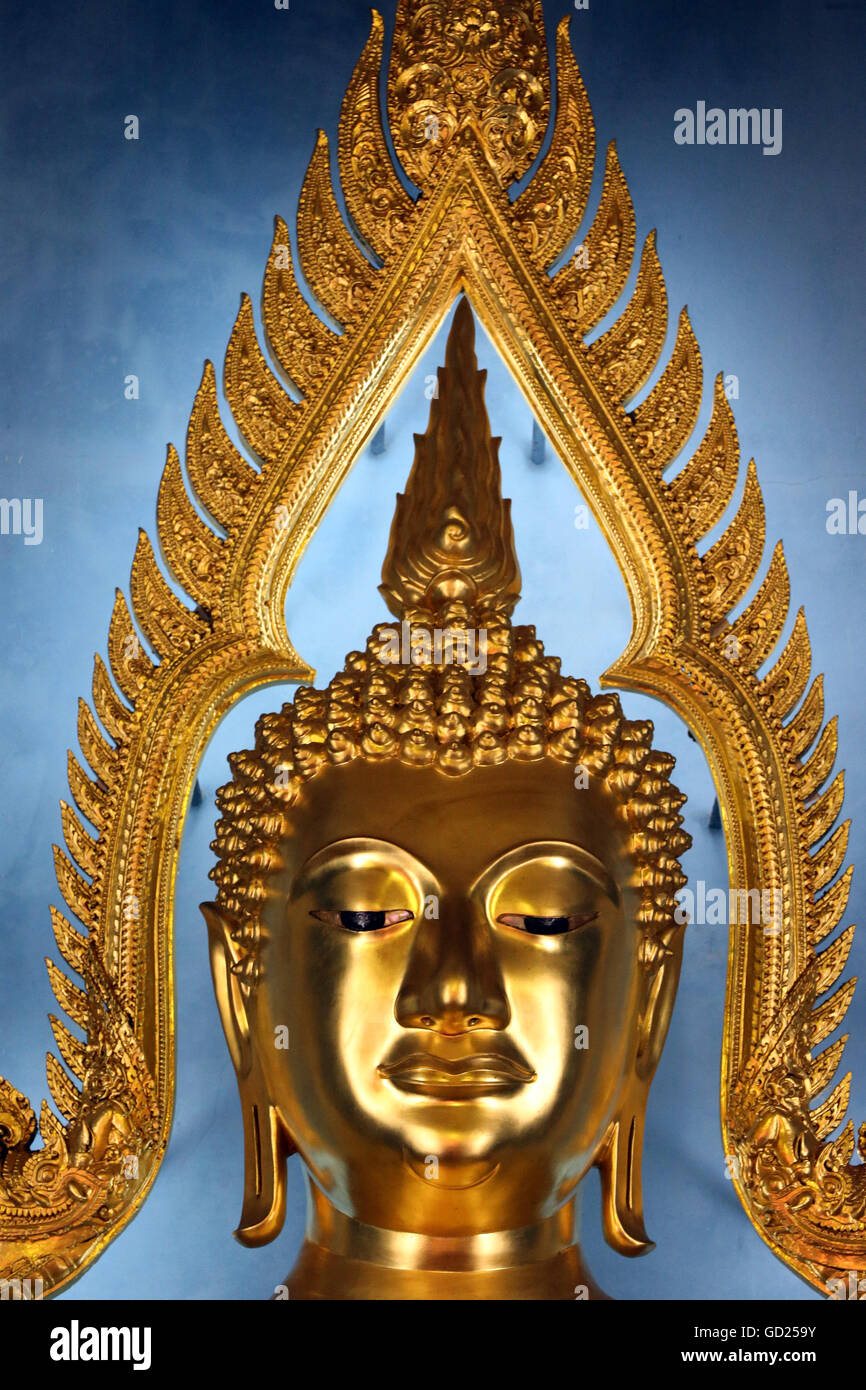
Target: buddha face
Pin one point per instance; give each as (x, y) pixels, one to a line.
(454, 964)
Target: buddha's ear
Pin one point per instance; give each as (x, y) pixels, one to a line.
(266, 1144)
(222, 929)
(620, 1158)
(662, 958)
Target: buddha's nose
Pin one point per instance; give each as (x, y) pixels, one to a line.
(453, 983)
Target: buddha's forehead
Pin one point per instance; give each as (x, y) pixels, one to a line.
(457, 825)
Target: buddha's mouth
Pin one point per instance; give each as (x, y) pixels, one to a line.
(461, 1078)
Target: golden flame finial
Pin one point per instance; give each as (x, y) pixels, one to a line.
(451, 550)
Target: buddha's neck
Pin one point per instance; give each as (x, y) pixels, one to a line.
(344, 1259)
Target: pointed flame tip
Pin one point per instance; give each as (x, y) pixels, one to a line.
(460, 347)
(455, 467)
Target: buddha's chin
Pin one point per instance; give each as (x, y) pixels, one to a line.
(451, 1173)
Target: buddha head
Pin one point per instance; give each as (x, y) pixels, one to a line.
(444, 946)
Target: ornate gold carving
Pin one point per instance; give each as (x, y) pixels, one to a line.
(340, 276)
(550, 209)
(482, 74)
(624, 356)
(783, 686)
(300, 342)
(802, 1187)
(804, 726)
(168, 624)
(186, 543)
(664, 421)
(759, 627)
(222, 479)
(828, 860)
(593, 280)
(819, 765)
(61, 1203)
(703, 489)
(732, 563)
(454, 65)
(259, 404)
(376, 200)
(828, 909)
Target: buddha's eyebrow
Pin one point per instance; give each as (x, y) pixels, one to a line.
(357, 847)
(578, 857)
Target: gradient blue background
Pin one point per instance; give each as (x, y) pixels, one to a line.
(128, 257)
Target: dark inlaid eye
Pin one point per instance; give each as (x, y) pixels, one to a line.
(363, 921)
(546, 926)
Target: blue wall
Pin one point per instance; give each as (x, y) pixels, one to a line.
(127, 257)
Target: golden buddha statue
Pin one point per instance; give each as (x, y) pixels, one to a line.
(444, 947)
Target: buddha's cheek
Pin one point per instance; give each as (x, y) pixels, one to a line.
(335, 993)
(573, 1008)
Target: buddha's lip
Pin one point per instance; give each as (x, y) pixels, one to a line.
(479, 1072)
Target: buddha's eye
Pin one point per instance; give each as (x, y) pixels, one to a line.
(363, 921)
(546, 926)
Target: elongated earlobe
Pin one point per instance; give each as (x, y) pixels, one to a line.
(266, 1143)
(619, 1164)
(266, 1148)
(620, 1157)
